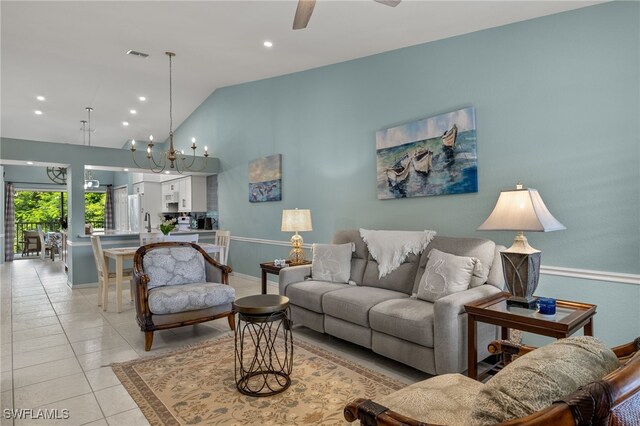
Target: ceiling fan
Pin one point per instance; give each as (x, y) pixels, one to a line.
(305, 9)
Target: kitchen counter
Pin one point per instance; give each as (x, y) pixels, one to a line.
(116, 233)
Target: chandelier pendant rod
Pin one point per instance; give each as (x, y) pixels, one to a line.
(175, 158)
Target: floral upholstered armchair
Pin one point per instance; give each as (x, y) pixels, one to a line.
(573, 381)
(178, 284)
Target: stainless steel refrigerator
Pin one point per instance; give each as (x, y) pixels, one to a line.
(135, 213)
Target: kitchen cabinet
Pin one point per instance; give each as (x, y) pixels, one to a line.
(185, 195)
(193, 194)
(170, 195)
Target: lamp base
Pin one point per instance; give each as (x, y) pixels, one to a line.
(521, 273)
(522, 302)
(296, 255)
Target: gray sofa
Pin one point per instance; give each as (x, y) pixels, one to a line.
(381, 315)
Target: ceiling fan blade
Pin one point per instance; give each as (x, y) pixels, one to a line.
(392, 3)
(303, 14)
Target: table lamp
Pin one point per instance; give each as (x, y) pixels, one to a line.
(296, 221)
(521, 209)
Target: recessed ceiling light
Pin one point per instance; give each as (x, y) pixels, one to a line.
(30, 163)
(142, 98)
(40, 98)
(133, 111)
(125, 170)
(267, 44)
(38, 112)
(125, 123)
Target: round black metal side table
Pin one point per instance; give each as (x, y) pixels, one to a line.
(263, 344)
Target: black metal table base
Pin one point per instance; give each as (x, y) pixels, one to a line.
(264, 353)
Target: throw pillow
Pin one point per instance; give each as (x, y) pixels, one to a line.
(446, 274)
(534, 381)
(332, 262)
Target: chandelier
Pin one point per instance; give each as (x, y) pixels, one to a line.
(172, 158)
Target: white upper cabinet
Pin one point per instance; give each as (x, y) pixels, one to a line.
(187, 194)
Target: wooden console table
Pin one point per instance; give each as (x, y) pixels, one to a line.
(569, 318)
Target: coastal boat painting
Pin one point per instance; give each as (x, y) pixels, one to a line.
(432, 156)
(265, 179)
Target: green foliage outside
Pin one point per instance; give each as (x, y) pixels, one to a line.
(47, 208)
(94, 206)
(31, 206)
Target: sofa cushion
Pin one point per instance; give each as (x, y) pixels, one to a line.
(353, 303)
(407, 318)
(480, 248)
(173, 266)
(332, 262)
(308, 294)
(442, 400)
(446, 274)
(537, 379)
(399, 280)
(189, 297)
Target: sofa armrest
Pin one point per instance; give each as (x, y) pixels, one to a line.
(292, 274)
(450, 328)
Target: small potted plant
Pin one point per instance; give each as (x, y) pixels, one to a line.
(167, 226)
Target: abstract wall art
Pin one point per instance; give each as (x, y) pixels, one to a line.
(265, 179)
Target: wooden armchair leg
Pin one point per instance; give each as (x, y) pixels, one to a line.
(232, 321)
(148, 340)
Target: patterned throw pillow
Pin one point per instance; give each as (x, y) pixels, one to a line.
(537, 379)
(446, 274)
(332, 262)
(173, 266)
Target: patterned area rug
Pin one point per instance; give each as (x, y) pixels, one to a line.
(196, 386)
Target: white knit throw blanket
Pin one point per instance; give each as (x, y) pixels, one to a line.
(391, 248)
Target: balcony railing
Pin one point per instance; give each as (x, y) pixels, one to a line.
(53, 226)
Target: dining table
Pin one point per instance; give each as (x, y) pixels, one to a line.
(121, 254)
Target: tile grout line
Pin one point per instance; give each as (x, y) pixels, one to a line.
(84, 373)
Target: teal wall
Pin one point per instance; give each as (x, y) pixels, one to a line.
(36, 177)
(557, 107)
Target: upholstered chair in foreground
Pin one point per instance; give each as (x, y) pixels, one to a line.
(179, 284)
(573, 381)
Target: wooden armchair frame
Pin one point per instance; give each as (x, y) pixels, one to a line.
(150, 322)
(613, 400)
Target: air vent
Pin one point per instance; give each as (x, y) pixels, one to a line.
(136, 53)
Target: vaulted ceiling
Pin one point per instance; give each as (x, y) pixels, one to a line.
(73, 53)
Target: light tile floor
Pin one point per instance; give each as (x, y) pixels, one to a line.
(56, 345)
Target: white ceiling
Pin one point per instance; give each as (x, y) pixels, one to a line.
(73, 53)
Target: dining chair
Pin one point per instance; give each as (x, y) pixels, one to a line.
(191, 238)
(150, 238)
(44, 246)
(223, 238)
(103, 280)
